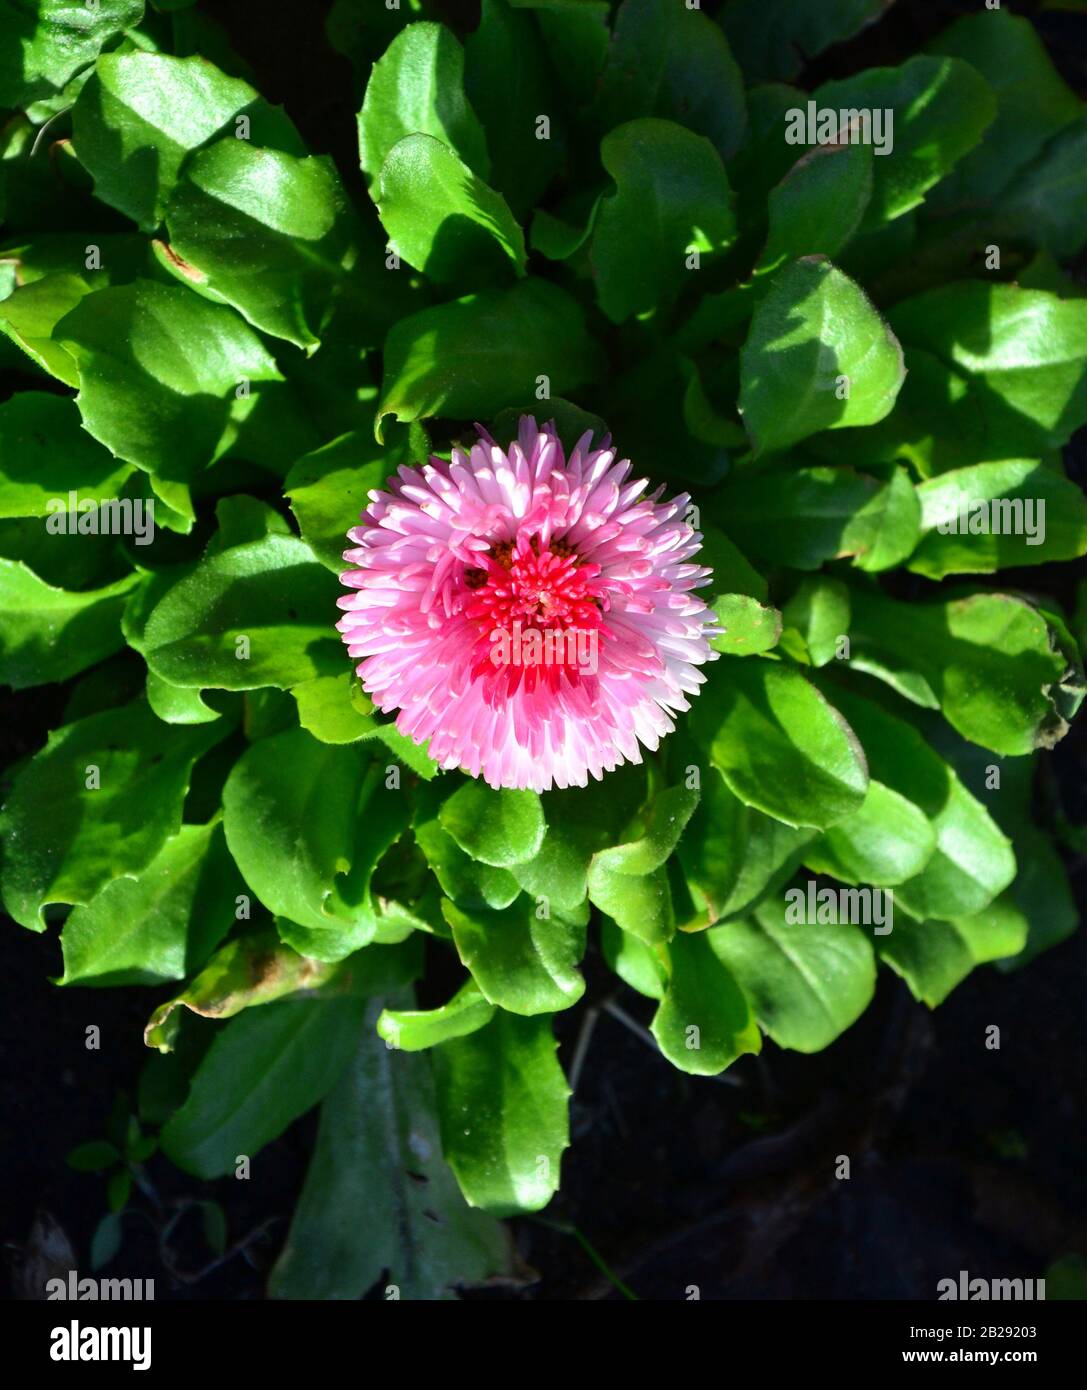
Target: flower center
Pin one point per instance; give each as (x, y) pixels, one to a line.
(539, 613)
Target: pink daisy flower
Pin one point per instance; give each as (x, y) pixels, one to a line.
(532, 616)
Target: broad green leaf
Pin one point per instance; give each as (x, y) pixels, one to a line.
(417, 88)
(672, 198)
(258, 969)
(441, 218)
(704, 1021)
(1022, 354)
(329, 489)
(99, 801)
(502, 1105)
(818, 356)
(176, 704)
(159, 373)
(995, 516)
(1044, 207)
(748, 626)
(819, 612)
(334, 709)
(580, 821)
(672, 61)
(806, 982)
(263, 231)
(265, 1068)
(628, 881)
(1033, 103)
(413, 1030)
(307, 823)
(932, 957)
(160, 925)
(990, 660)
(638, 965)
(732, 573)
(46, 44)
(508, 42)
(468, 883)
(500, 828)
(1043, 893)
(973, 860)
(252, 615)
(141, 114)
(45, 454)
(378, 1202)
(941, 108)
(520, 961)
(818, 205)
(773, 39)
(49, 634)
(778, 744)
(886, 841)
(29, 315)
(471, 357)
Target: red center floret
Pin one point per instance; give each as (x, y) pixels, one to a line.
(539, 615)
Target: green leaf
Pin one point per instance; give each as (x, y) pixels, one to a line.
(417, 88)
(329, 488)
(819, 612)
(307, 823)
(778, 744)
(628, 881)
(1021, 354)
(520, 961)
(1033, 104)
(501, 828)
(106, 1240)
(638, 965)
(65, 839)
(818, 356)
(158, 370)
(93, 1156)
(749, 627)
(262, 231)
(413, 1030)
(773, 39)
(672, 198)
(508, 42)
(49, 634)
(932, 957)
(886, 841)
(989, 659)
(175, 704)
(160, 925)
(378, 1203)
(441, 218)
(141, 114)
(469, 358)
(806, 982)
(818, 205)
(941, 108)
(29, 315)
(502, 1106)
(253, 615)
(995, 516)
(258, 969)
(704, 1021)
(265, 1068)
(672, 61)
(45, 454)
(47, 43)
(973, 861)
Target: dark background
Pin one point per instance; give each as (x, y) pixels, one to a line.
(961, 1158)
